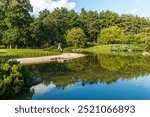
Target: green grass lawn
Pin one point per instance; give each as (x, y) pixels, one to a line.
(95, 49)
(98, 49)
(112, 48)
(20, 53)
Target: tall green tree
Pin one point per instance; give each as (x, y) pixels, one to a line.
(111, 35)
(76, 37)
(16, 20)
(57, 22)
(89, 22)
(40, 32)
(108, 18)
(133, 24)
(3, 5)
(143, 39)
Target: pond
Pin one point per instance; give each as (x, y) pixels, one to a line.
(115, 76)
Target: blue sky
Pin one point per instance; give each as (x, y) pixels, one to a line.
(139, 7)
(136, 7)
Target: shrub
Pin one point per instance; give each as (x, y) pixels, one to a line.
(2, 46)
(111, 35)
(13, 78)
(50, 48)
(125, 48)
(70, 49)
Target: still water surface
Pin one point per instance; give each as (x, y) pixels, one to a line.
(95, 77)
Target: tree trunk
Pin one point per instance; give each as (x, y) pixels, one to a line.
(10, 46)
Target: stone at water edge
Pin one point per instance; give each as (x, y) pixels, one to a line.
(129, 50)
(146, 53)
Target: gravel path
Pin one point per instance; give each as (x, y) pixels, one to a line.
(57, 58)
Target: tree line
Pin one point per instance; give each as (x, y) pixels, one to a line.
(18, 28)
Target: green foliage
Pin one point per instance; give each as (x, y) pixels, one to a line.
(15, 21)
(71, 49)
(89, 22)
(133, 24)
(109, 18)
(105, 49)
(11, 36)
(58, 22)
(19, 29)
(111, 35)
(95, 68)
(128, 39)
(50, 48)
(41, 35)
(76, 37)
(143, 39)
(2, 46)
(19, 53)
(13, 78)
(125, 47)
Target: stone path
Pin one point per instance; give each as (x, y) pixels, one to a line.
(56, 58)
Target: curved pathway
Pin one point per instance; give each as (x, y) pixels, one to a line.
(56, 58)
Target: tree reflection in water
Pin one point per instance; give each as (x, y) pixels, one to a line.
(90, 70)
(101, 68)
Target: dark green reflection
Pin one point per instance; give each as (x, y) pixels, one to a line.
(95, 68)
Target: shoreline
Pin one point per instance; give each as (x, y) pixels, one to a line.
(45, 59)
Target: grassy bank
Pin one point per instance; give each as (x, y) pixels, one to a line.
(98, 49)
(23, 53)
(105, 49)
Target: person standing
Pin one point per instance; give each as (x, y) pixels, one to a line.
(60, 47)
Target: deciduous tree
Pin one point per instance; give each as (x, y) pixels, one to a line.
(76, 37)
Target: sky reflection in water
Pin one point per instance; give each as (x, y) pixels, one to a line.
(98, 77)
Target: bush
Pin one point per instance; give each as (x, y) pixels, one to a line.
(53, 49)
(2, 46)
(13, 78)
(111, 35)
(70, 49)
(90, 44)
(50, 48)
(125, 48)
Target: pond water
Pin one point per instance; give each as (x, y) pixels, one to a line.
(94, 77)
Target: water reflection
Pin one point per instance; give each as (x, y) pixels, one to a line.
(41, 88)
(94, 74)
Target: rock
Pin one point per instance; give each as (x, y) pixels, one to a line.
(146, 53)
(129, 50)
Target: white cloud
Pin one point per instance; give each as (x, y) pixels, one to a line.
(39, 5)
(134, 11)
